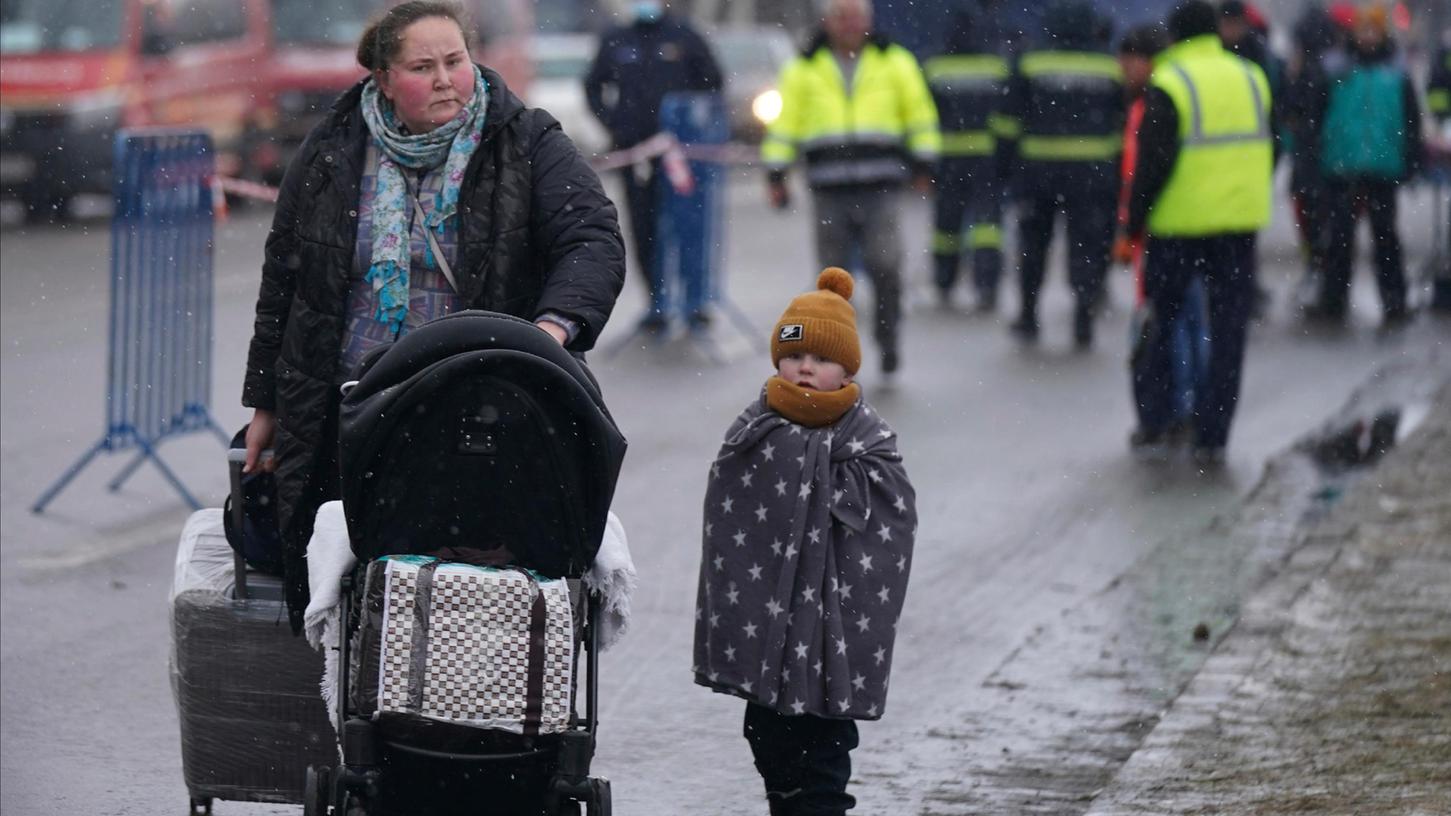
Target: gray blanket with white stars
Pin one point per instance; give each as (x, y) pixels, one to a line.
(804, 562)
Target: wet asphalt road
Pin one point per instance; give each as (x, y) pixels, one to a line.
(1029, 505)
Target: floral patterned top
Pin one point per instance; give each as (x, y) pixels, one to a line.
(430, 295)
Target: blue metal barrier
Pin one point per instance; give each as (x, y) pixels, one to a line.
(690, 230)
(159, 378)
(690, 233)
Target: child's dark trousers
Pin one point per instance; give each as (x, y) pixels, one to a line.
(804, 760)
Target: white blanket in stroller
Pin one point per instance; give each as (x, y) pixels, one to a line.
(330, 556)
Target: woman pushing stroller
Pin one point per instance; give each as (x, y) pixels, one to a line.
(429, 189)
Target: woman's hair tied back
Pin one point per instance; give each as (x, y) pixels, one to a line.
(383, 38)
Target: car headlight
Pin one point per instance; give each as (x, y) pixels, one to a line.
(767, 106)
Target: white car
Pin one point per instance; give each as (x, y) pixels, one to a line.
(560, 64)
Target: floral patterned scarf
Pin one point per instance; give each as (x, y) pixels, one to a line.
(452, 145)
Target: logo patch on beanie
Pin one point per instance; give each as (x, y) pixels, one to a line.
(791, 331)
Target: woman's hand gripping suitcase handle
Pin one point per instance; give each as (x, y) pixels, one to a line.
(260, 433)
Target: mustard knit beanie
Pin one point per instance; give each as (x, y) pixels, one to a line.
(822, 323)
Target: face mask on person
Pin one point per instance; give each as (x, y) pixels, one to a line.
(648, 11)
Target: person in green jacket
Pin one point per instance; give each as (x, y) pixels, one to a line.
(1370, 144)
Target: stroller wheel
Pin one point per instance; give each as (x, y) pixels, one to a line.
(347, 803)
(316, 791)
(599, 797)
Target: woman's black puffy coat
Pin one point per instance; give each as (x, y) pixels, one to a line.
(536, 234)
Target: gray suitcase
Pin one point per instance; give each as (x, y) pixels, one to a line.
(248, 693)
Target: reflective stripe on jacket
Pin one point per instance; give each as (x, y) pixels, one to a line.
(866, 136)
(968, 90)
(1067, 106)
(1220, 182)
(1438, 88)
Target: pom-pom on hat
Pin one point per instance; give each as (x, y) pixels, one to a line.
(822, 323)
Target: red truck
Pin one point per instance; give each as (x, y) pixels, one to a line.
(257, 74)
(72, 72)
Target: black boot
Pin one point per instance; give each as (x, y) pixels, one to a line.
(890, 361)
(1082, 326)
(1026, 326)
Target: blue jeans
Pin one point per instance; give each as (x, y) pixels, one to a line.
(805, 761)
(1226, 265)
(1190, 350)
(1188, 355)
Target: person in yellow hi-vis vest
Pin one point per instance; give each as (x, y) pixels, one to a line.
(856, 111)
(1201, 192)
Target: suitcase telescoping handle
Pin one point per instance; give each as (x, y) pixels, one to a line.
(236, 459)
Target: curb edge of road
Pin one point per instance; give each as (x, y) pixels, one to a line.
(1317, 540)
(1052, 727)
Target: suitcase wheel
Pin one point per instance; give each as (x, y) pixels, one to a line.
(201, 806)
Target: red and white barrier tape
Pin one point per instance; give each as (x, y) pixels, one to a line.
(675, 158)
(247, 189)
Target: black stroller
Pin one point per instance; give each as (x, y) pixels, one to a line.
(478, 440)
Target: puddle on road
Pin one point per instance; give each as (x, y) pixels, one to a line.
(1411, 418)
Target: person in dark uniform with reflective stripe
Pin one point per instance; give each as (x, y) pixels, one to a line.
(969, 83)
(1067, 98)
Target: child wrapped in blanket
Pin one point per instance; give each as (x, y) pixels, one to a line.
(809, 524)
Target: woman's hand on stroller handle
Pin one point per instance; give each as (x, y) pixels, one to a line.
(553, 330)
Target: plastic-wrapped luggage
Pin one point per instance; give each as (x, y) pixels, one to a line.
(247, 691)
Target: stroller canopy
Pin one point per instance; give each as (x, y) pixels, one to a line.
(477, 438)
